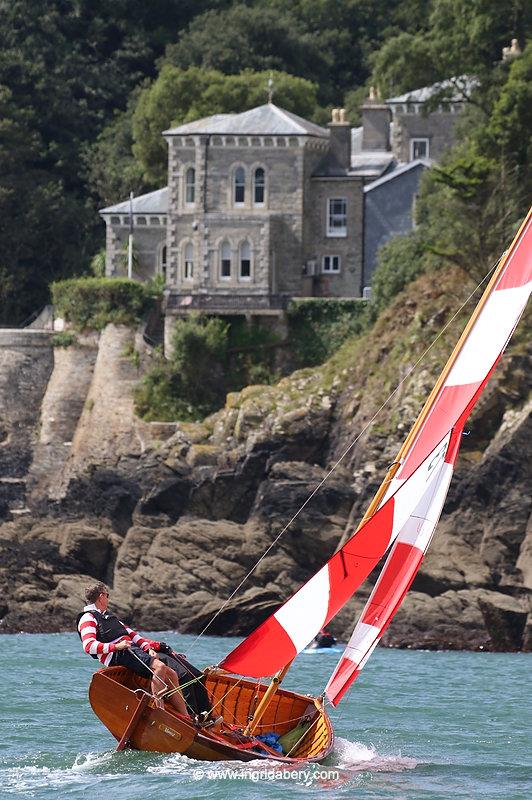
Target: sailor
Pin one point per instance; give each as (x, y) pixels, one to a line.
(324, 639)
(107, 639)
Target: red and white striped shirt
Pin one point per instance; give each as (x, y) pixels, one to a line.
(88, 629)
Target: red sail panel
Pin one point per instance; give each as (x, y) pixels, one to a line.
(284, 634)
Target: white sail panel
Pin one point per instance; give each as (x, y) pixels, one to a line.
(304, 618)
(488, 336)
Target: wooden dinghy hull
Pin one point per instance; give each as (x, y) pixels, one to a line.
(120, 699)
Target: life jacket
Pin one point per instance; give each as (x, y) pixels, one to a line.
(108, 627)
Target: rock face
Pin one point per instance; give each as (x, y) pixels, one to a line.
(214, 524)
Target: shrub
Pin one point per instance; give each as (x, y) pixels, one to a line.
(400, 260)
(193, 382)
(318, 326)
(91, 303)
(63, 339)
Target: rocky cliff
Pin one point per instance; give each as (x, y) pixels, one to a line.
(175, 516)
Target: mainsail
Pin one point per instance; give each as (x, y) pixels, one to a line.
(410, 508)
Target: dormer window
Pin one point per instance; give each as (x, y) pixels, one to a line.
(259, 186)
(190, 186)
(419, 148)
(239, 186)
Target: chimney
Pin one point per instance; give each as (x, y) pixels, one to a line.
(376, 117)
(340, 137)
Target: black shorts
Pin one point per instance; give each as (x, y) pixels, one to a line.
(134, 658)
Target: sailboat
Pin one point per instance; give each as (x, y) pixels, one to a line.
(400, 522)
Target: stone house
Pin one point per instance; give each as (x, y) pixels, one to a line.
(263, 205)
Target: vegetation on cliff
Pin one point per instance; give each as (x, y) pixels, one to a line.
(92, 303)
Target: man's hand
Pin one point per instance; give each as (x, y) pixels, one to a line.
(125, 643)
(152, 653)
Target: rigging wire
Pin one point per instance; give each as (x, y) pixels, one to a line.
(345, 453)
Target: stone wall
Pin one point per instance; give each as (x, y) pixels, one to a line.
(26, 361)
(438, 128)
(347, 282)
(61, 409)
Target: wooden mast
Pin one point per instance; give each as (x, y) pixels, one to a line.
(373, 506)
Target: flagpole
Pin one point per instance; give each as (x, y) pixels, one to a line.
(130, 239)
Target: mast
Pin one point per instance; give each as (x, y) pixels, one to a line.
(425, 411)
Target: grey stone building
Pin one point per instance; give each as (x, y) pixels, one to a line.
(263, 206)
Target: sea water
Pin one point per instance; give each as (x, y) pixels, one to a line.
(414, 725)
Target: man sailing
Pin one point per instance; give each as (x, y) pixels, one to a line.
(107, 639)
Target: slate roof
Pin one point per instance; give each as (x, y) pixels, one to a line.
(371, 163)
(269, 120)
(151, 203)
(463, 84)
(396, 172)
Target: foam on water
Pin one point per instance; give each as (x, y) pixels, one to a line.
(355, 756)
(86, 762)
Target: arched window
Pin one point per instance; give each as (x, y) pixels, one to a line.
(239, 188)
(190, 186)
(245, 261)
(225, 261)
(259, 186)
(188, 268)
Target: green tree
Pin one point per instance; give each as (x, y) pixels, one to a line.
(510, 127)
(65, 66)
(400, 261)
(112, 170)
(192, 383)
(459, 37)
(179, 96)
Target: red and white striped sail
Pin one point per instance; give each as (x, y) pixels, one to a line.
(467, 378)
(412, 504)
(284, 634)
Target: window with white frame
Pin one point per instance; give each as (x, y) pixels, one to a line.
(331, 264)
(190, 186)
(337, 216)
(225, 261)
(188, 266)
(419, 148)
(244, 260)
(239, 186)
(259, 186)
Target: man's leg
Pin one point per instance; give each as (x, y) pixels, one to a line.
(165, 679)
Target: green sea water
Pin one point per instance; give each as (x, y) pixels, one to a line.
(415, 726)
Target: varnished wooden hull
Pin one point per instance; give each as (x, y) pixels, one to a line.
(115, 692)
